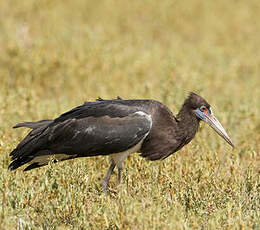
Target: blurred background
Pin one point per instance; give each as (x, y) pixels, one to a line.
(55, 55)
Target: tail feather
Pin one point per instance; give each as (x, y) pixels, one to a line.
(18, 163)
(33, 149)
(33, 125)
(29, 147)
(40, 159)
(33, 166)
(31, 140)
(43, 161)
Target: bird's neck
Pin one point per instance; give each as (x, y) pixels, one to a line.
(188, 123)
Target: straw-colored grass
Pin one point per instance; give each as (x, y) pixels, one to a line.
(54, 55)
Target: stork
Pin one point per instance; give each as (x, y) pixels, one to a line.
(116, 128)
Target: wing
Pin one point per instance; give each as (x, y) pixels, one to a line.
(83, 136)
(99, 135)
(112, 108)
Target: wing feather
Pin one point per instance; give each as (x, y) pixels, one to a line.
(99, 135)
(79, 135)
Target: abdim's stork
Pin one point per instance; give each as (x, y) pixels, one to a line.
(116, 128)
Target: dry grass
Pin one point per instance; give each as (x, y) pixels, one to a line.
(56, 54)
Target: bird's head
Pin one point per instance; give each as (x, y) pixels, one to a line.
(201, 108)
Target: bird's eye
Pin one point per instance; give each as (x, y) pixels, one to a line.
(203, 109)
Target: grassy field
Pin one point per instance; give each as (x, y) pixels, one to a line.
(57, 54)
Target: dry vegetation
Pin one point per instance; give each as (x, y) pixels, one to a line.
(57, 54)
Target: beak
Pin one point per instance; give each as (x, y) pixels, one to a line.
(215, 124)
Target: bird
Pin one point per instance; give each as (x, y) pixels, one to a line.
(114, 128)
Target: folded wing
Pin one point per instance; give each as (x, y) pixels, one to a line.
(79, 136)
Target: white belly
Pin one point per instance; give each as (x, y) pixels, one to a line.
(118, 158)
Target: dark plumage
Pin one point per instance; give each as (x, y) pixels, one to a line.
(113, 127)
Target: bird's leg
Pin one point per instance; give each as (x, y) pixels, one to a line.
(107, 177)
(119, 167)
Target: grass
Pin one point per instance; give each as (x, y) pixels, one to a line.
(57, 54)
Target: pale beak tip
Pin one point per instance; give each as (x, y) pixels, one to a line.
(231, 143)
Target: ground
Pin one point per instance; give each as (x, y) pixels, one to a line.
(57, 54)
